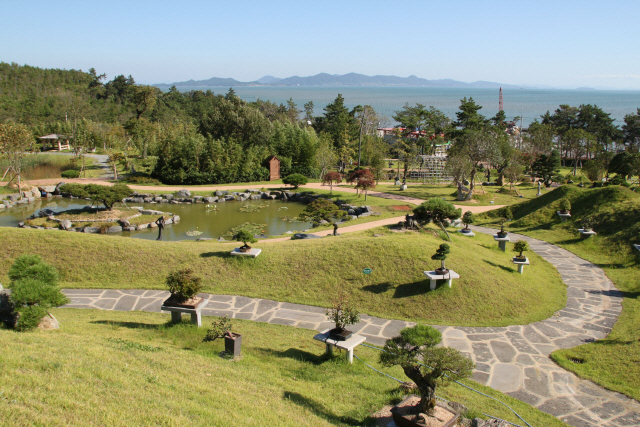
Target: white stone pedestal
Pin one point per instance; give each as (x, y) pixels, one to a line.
(469, 233)
(433, 277)
(502, 241)
(349, 344)
(176, 313)
(253, 252)
(586, 234)
(563, 216)
(521, 263)
(403, 187)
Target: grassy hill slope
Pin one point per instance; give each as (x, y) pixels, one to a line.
(489, 293)
(615, 361)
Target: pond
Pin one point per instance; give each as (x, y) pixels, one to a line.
(275, 214)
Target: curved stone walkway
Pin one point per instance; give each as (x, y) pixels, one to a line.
(513, 359)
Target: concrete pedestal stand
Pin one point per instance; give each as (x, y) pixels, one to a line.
(563, 216)
(176, 313)
(349, 344)
(467, 233)
(502, 241)
(521, 263)
(434, 277)
(253, 252)
(403, 187)
(586, 234)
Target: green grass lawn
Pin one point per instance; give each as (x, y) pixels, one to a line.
(489, 293)
(499, 195)
(125, 369)
(613, 362)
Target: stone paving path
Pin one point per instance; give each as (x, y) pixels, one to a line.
(513, 359)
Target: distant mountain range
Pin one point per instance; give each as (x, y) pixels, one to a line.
(351, 79)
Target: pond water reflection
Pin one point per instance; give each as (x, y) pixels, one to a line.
(195, 217)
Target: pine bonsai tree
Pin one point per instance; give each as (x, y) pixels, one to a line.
(467, 219)
(438, 211)
(441, 255)
(565, 205)
(245, 237)
(521, 246)
(425, 364)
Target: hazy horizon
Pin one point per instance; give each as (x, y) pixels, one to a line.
(566, 44)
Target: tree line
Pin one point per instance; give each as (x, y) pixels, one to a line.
(199, 137)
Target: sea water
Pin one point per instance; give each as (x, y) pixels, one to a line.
(529, 104)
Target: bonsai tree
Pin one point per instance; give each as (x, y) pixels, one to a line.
(438, 211)
(109, 196)
(502, 232)
(321, 209)
(330, 178)
(467, 219)
(219, 329)
(245, 237)
(587, 223)
(441, 255)
(425, 364)
(295, 179)
(521, 246)
(183, 285)
(342, 313)
(565, 205)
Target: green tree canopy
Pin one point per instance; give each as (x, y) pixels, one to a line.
(108, 196)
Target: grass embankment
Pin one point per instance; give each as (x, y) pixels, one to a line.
(123, 369)
(489, 293)
(613, 362)
(95, 218)
(499, 195)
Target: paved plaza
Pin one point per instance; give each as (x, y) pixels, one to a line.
(513, 359)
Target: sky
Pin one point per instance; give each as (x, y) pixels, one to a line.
(563, 44)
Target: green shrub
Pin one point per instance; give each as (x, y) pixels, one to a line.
(71, 173)
(506, 213)
(33, 267)
(30, 317)
(565, 204)
(559, 179)
(142, 179)
(32, 291)
(295, 179)
(183, 285)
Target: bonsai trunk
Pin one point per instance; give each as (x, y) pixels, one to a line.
(442, 265)
(427, 388)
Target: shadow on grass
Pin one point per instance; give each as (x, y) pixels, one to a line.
(139, 325)
(295, 354)
(379, 288)
(413, 289)
(216, 254)
(320, 410)
(510, 270)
